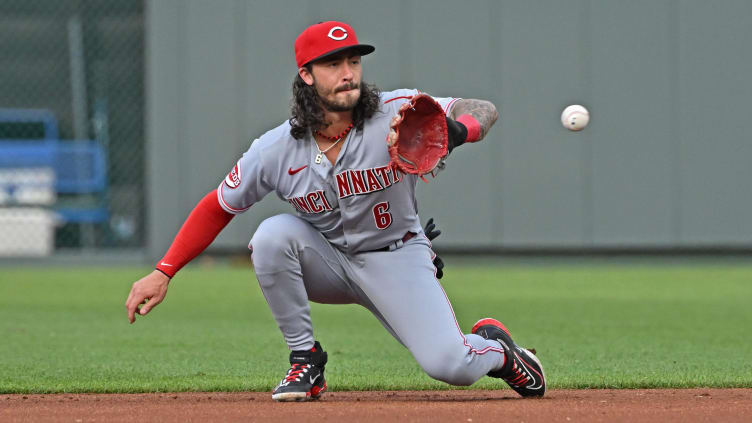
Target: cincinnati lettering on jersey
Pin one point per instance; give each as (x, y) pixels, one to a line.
(365, 181)
(312, 203)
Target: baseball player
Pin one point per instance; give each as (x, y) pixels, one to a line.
(355, 236)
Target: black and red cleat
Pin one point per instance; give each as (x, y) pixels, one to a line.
(522, 370)
(305, 379)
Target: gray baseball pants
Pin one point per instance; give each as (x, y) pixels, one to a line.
(295, 264)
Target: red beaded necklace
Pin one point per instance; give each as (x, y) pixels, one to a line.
(336, 137)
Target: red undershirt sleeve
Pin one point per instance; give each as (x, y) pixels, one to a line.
(204, 223)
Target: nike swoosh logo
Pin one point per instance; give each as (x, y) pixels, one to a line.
(313, 379)
(530, 373)
(165, 264)
(292, 171)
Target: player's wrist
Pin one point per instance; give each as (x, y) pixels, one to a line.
(472, 125)
(457, 133)
(165, 272)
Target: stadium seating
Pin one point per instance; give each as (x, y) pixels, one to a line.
(78, 169)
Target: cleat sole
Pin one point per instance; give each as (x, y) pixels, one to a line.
(292, 396)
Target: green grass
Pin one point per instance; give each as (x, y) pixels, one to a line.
(595, 326)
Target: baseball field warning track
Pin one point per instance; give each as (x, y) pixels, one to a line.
(602, 405)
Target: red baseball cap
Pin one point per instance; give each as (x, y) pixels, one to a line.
(325, 38)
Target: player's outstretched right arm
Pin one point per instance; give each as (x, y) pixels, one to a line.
(238, 191)
(204, 223)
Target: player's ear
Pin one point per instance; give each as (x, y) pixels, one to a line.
(306, 75)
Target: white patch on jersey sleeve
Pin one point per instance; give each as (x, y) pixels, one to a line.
(233, 178)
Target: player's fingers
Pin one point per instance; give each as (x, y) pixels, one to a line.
(128, 300)
(150, 304)
(434, 234)
(391, 139)
(430, 221)
(405, 106)
(135, 299)
(439, 273)
(131, 307)
(128, 310)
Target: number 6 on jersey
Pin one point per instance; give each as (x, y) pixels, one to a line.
(381, 215)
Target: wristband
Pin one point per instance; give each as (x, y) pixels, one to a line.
(457, 133)
(163, 272)
(472, 125)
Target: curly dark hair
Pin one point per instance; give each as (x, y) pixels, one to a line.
(307, 111)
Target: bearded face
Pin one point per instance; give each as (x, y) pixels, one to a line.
(340, 99)
(337, 81)
(314, 97)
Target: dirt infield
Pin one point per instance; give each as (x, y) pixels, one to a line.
(682, 405)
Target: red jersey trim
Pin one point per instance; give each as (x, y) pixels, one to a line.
(397, 98)
(470, 348)
(449, 106)
(226, 206)
(407, 97)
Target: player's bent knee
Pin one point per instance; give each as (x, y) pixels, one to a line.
(451, 374)
(449, 368)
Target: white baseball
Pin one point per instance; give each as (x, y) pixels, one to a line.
(575, 117)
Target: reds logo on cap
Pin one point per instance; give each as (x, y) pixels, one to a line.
(336, 28)
(233, 178)
(326, 38)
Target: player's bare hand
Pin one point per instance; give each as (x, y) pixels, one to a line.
(149, 291)
(391, 138)
(406, 105)
(396, 119)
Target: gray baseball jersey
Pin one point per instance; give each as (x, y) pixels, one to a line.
(358, 204)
